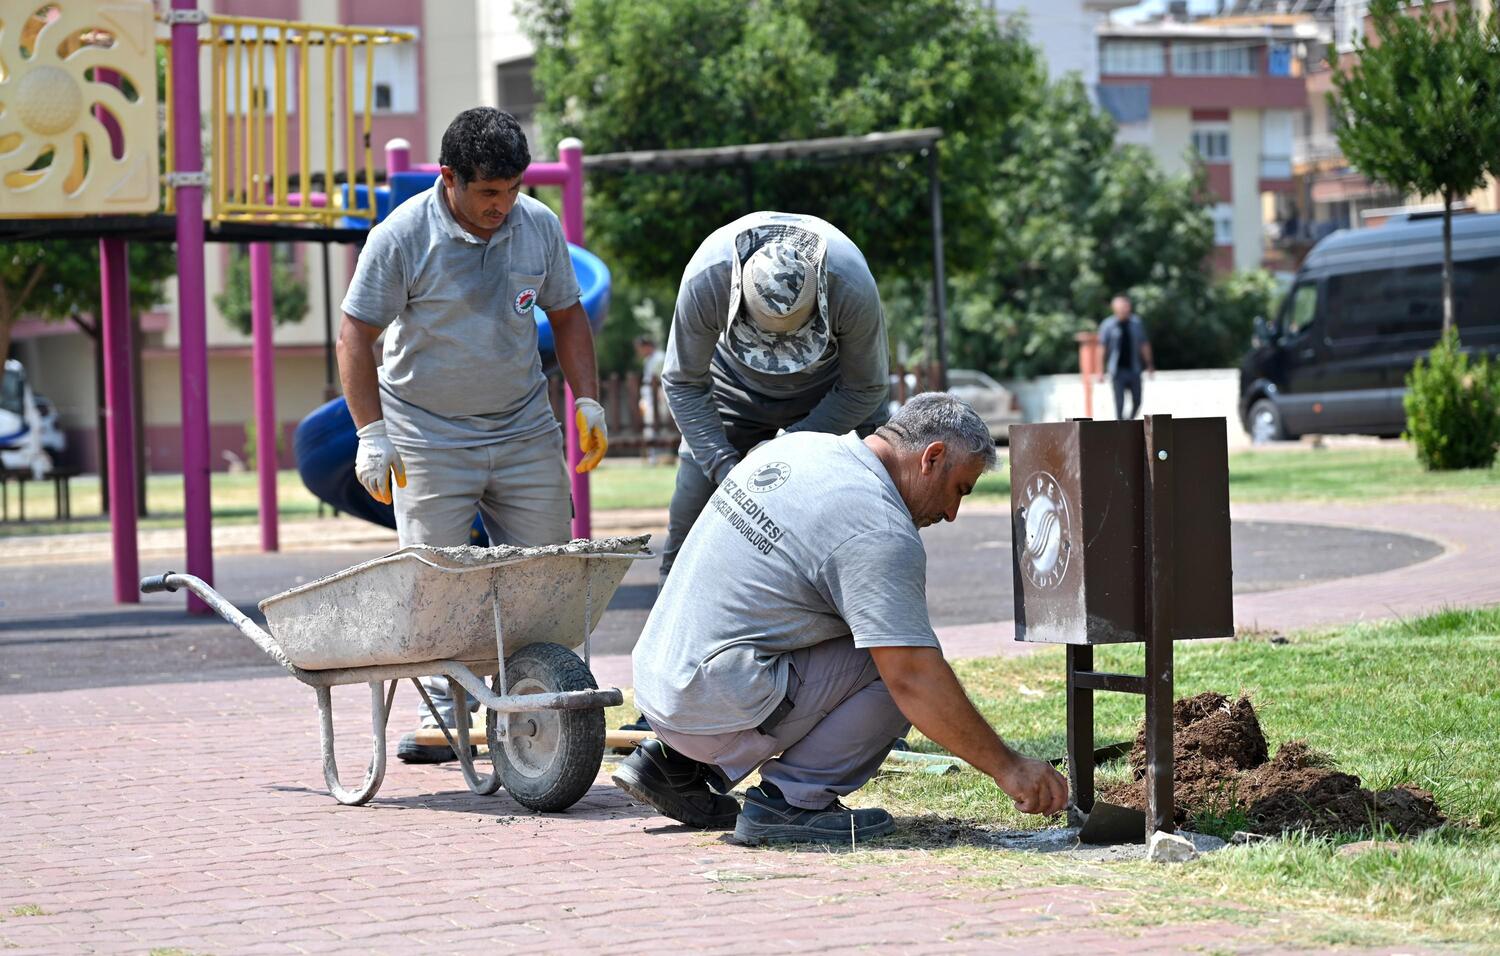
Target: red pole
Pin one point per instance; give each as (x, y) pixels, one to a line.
(263, 371)
(192, 322)
(1089, 366)
(119, 413)
(570, 153)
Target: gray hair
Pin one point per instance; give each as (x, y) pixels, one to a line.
(939, 416)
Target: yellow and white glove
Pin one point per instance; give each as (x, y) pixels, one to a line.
(593, 434)
(377, 461)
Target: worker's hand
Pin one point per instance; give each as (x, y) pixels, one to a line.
(725, 467)
(593, 434)
(1034, 786)
(377, 461)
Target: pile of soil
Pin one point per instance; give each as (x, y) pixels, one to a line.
(1221, 763)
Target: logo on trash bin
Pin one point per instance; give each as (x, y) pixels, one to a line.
(1048, 531)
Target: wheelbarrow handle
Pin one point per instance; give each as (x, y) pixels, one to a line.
(158, 582)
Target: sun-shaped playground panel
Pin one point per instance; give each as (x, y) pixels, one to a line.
(78, 110)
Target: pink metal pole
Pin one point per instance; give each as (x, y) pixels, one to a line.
(570, 152)
(119, 413)
(397, 156)
(263, 370)
(187, 158)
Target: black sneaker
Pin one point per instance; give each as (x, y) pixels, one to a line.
(675, 785)
(409, 751)
(768, 818)
(641, 723)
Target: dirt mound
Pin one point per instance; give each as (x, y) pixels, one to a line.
(1221, 766)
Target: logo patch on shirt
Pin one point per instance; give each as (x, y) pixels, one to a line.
(770, 477)
(525, 299)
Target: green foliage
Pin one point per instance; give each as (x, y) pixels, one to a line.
(288, 294)
(1421, 106)
(667, 74)
(1453, 408)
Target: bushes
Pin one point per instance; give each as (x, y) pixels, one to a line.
(1453, 408)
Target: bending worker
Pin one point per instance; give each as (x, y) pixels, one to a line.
(457, 415)
(793, 636)
(778, 326)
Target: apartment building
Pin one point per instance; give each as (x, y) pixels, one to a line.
(1224, 94)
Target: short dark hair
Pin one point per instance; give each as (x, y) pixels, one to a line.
(484, 143)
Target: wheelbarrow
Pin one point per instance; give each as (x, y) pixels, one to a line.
(511, 614)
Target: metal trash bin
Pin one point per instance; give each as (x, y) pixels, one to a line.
(1121, 535)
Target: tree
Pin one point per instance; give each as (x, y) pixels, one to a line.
(1421, 107)
(1085, 220)
(666, 74)
(288, 293)
(59, 279)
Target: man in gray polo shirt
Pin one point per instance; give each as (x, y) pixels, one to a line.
(457, 414)
(793, 635)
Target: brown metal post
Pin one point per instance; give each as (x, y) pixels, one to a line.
(1080, 735)
(1160, 599)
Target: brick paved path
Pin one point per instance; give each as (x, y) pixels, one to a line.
(192, 816)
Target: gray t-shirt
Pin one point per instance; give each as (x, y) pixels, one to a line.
(806, 541)
(852, 372)
(461, 367)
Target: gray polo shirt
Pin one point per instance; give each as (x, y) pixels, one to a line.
(807, 540)
(852, 372)
(460, 364)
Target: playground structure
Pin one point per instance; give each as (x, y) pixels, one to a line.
(81, 84)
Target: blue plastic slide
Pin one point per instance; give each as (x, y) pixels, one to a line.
(325, 442)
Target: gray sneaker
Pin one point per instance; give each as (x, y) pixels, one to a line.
(768, 818)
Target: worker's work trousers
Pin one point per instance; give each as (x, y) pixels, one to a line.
(747, 423)
(522, 493)
(833, 740)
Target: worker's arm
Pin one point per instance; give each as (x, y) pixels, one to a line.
(858, 324)
(1147, 358)
(929, 694)
(357, 373)
(574, 341)
(697, 323)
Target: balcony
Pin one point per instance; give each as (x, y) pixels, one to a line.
(1316, 150)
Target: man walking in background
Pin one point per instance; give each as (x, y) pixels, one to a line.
(1127, 351)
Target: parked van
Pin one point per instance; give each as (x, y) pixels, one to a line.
(1362, 308)
(29, 434)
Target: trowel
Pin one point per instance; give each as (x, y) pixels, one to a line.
(1107, 824)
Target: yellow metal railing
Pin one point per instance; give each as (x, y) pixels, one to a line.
(249, 167)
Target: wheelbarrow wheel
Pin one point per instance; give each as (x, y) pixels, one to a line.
(549, 758)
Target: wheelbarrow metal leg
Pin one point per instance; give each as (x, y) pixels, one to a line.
(380, 711)
(482, 785)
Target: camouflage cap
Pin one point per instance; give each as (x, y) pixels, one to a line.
(778, 276)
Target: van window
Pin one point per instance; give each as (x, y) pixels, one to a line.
(1409, 301)
(1384, 302)
(12, 392)
(1302, 308)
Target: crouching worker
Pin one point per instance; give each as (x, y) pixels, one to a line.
(792, 636)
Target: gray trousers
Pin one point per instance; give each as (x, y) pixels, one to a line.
(522, 493)
(748, 421)
(831, 743)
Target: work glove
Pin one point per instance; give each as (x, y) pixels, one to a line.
(377, 461)
(593, 434)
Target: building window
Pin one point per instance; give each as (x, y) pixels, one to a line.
(1212, 59)
(394, 76)
(1212, 142)
(1131, 58)
(1223, 214)
(515, 92)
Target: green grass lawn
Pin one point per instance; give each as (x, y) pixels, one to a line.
(1412, 702)
(1301, 474)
